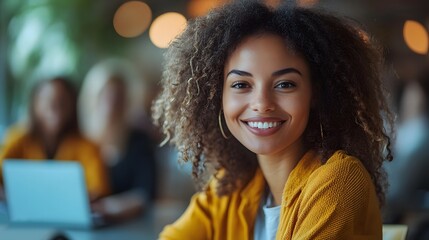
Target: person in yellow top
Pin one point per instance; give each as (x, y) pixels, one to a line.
(286, 104)
(53, 133)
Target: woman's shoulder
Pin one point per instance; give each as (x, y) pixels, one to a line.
(341, 169)
(342, 180)
(17, 135)
(16, 143)
(341, 163)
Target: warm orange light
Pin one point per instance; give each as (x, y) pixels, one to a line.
(132, 19)
(198, 8)
(165, 28)
(306, 3)
(272, 3)
(416, 37)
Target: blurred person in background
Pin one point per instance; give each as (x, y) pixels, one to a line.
(128, 153)
(53, 133)
(408, 175)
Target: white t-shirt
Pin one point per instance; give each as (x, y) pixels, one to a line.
(267, 220)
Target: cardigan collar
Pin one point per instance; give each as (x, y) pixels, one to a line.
(298, 177)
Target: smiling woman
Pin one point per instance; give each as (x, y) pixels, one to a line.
(287, 104)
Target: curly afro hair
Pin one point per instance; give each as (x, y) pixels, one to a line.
(345, 73)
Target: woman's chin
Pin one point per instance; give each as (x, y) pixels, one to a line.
(261, 150)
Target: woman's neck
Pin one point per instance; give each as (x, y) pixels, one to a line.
(277, 167)
(112, 133)
(50, 144)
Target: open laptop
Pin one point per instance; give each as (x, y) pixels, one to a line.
(48, 193)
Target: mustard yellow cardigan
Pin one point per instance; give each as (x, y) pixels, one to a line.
(336, 200)
(75, 147)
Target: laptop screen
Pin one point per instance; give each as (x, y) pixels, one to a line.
(46, 192)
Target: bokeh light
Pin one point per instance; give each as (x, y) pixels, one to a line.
(165, 28)
(306, 3)
(416, 37)
(132, 19)
(272, 3)
(198, 8)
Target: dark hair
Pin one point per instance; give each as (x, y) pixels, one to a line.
(345, 74)
(72, 125)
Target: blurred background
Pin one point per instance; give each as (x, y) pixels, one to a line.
(44, 38)
(47, 37)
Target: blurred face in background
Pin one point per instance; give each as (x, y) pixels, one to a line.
(413, 101)
(53, 108)
(112, 99)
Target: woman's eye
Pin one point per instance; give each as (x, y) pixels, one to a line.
(240, 85)
(286, 85)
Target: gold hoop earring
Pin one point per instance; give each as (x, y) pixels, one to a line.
(220, 125)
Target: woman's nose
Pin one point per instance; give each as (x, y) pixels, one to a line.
(262, 101)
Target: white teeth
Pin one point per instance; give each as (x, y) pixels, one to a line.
(264, 125)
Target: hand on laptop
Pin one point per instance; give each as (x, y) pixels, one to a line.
(118, 208)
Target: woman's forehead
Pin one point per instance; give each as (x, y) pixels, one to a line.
(269, 52)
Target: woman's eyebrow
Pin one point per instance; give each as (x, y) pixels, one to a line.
(275, 74)
(240, 73)
(286, 71)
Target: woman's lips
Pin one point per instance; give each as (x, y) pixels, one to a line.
(263, 126)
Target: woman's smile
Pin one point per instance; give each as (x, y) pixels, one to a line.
(263, 126)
